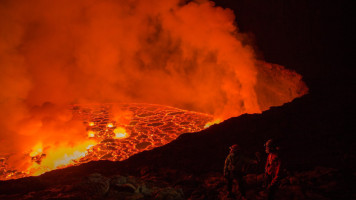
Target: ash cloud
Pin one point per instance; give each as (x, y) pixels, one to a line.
(189, 56)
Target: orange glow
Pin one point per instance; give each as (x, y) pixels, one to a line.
(91, 134)
(142, 127)
(60, 157)
(184, 65)
(120, 133)
(216, 121)
(37, 150)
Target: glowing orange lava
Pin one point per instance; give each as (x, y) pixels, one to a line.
(115, 132)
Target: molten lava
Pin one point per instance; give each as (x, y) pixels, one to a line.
(139, 127)
(149, 126)
(120, 133)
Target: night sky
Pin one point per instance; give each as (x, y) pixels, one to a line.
(311, 37)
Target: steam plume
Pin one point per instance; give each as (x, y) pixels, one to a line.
(190, 56)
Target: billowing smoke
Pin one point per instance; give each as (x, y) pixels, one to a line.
(186, 55)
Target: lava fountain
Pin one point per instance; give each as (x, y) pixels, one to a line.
(68, 69)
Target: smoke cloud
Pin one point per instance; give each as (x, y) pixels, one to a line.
(186, 55)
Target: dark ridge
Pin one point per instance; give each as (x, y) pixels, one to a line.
(310, 134)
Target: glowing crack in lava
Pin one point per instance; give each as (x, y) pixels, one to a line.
(139, 127)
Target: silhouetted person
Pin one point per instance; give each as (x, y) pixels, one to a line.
(234, 169)
(272, 168)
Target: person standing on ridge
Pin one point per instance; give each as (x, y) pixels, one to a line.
(272, 168)
(234, 169)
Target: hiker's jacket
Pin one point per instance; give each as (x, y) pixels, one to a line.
(273, 167)
(235, 163)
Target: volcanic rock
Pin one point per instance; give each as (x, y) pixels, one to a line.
(95, 185)
(169, 194)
